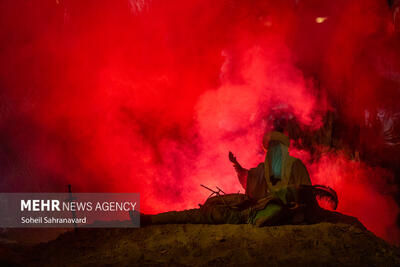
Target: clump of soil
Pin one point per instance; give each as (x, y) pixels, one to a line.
(323, 244)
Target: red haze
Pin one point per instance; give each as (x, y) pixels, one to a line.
(149, 96)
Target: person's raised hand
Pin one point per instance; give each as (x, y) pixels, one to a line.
(232, 158)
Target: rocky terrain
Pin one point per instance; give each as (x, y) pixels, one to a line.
(323, 244)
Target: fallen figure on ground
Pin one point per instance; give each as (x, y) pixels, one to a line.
(277, 191)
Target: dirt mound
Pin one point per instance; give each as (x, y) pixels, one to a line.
(323, 244)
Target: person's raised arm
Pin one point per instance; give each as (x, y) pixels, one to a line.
(241, 172)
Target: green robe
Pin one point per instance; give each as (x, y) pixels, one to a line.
(273, 200)
(294, 173)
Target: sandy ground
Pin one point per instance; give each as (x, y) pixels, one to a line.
(323, 244)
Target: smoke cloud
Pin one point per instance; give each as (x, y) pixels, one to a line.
(149, 97)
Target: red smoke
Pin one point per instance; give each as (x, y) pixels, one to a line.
(149, 96)
(363, 191)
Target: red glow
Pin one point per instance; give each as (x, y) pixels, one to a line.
(149, 96)
(363, 191)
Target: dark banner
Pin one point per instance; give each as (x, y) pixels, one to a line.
(69, 210)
